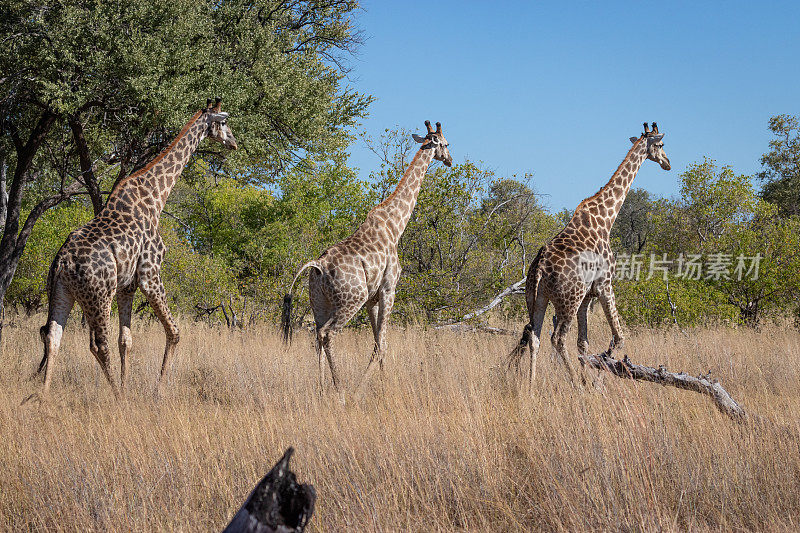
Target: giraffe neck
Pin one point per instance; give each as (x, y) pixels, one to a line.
(605, 205)
(151, 185)
(398, 206)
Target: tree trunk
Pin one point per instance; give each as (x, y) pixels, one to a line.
(87, 169)
(3, 191)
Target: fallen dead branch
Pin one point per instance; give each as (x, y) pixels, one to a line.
(278, 504)
(516, 288)
(461, 325)
(702, 384)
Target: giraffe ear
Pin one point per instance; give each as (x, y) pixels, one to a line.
(418, 138)
(634, 139)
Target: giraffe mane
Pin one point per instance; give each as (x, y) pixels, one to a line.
(402, 180)
(582, 205)
(162, 153)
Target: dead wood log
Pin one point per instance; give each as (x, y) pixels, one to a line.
(278, 504)
(702, 384)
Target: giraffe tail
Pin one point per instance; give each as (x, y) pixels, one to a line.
(531, 289)
(286, 312)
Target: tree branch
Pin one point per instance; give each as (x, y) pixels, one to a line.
(702, 384)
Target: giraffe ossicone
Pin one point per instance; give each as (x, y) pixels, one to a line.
(120, 250)
(577, 265)
(363, 269)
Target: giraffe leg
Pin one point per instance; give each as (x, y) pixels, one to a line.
(125, 307)
(560, 336)
(61, 302)
(98, 319)
(537, 320)
(153, 289)
(372, 311)
(318, 346)
(583, 325)
(327, 335)
(583, 337)
(607, 300)
(384, 309)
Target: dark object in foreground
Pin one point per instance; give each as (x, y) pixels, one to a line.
(702, 384)
(278, 504)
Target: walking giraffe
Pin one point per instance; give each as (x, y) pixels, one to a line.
(119, 250)
(364, 268)
(577, 265)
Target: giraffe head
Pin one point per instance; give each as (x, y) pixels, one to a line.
(434, 140)
(218, 128)
(655, 145)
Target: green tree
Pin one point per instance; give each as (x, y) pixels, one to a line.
(781, 174)
(633, 224)
(105, 84)
(720, 218)
(28, 289)
(712, 202)
(264, 235)
(764, 276)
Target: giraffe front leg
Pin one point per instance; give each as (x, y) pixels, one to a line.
(381, 312)
(583, 325)
(125, 308)
(156, 295)
(607, 300)
(559, 338)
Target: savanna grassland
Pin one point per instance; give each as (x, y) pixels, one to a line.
(442, 441)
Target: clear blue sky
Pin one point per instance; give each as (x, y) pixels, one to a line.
(557, 88)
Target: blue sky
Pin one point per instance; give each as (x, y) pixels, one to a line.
(557, 88)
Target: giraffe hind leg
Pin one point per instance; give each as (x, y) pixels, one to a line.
(98, 321)
(537, 320)
(125, 309)
(61, 303)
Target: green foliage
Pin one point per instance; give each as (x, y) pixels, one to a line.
(646, 302)
(634, 222)
(263, 236)
(781, 174)
(134, 70)
(719, 217)
(467, 239)
(775, 286)
(192, 278)
(28, 289)
(712, 202)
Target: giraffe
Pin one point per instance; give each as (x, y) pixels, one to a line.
(577, 265)
(364, 268)
(121, 250)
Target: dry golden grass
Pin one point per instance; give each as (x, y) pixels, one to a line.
(442, 441)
